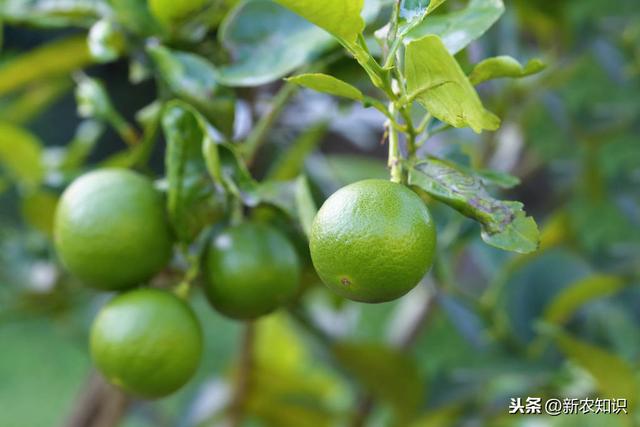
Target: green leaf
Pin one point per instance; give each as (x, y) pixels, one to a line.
(458, 29)
(38, 209)
(305, 205)
(292, 197)
(389, 374)
(503, 66)
(504, 223)
(435, 79)
(291, 163)
(289, 388)
(268, 42)
(85, 139)
(338, 17)
(414, 11)
(192, 200)
(615, 376)
(573, 297)
(21, 155)
(194, 79)
(48, 13)
(327, 84)
(56, 58)
(33, 100)
(136, 17)
(497, 178)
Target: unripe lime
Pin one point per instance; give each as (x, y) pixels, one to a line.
(111, 230)
(250, 270)
(372, 241)
(147, 342)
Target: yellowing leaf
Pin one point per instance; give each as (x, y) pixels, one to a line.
(327, 84)
(339, 17)
(435, 79)
(503, 66)
(53, 59)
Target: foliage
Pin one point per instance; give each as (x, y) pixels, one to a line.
(246, 109)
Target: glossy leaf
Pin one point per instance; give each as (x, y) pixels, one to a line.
(417, 9)
(435, 79)
(52, 13)
(21, 155)
(389, 374)
(194, 79)
(413, 12)
(327, 84)
(503, 66)
(614, 375)
(504, 223)
(338, 17)
(267, 42)
(458, 29)
(192, 201)
(56, 58)
(573, 297)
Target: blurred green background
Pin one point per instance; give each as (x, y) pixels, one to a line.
(563, 322)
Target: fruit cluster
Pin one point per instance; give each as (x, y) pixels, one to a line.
(371, 241)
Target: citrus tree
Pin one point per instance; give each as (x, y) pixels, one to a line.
(212, 219)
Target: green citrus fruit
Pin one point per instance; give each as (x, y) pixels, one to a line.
(111, 230)
(250, 270)
(372, 241)
(171, 11)
(147, 342)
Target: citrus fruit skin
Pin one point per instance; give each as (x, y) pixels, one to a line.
(250, 270)
(170, 11)
(372, 241)
(147, 342)
(111, 230)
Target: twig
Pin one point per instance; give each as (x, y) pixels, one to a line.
(243, 379)
(98, 405)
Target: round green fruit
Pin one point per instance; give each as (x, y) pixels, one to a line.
(171, 11)
(147, 342)
(250, 270)
(111, 230)
(372, 241)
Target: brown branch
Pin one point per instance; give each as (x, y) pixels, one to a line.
(98, 405)
(243, 378)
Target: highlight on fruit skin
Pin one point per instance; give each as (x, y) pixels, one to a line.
(373, 241)
(148, 342)
(250, 270)
(111, 229)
